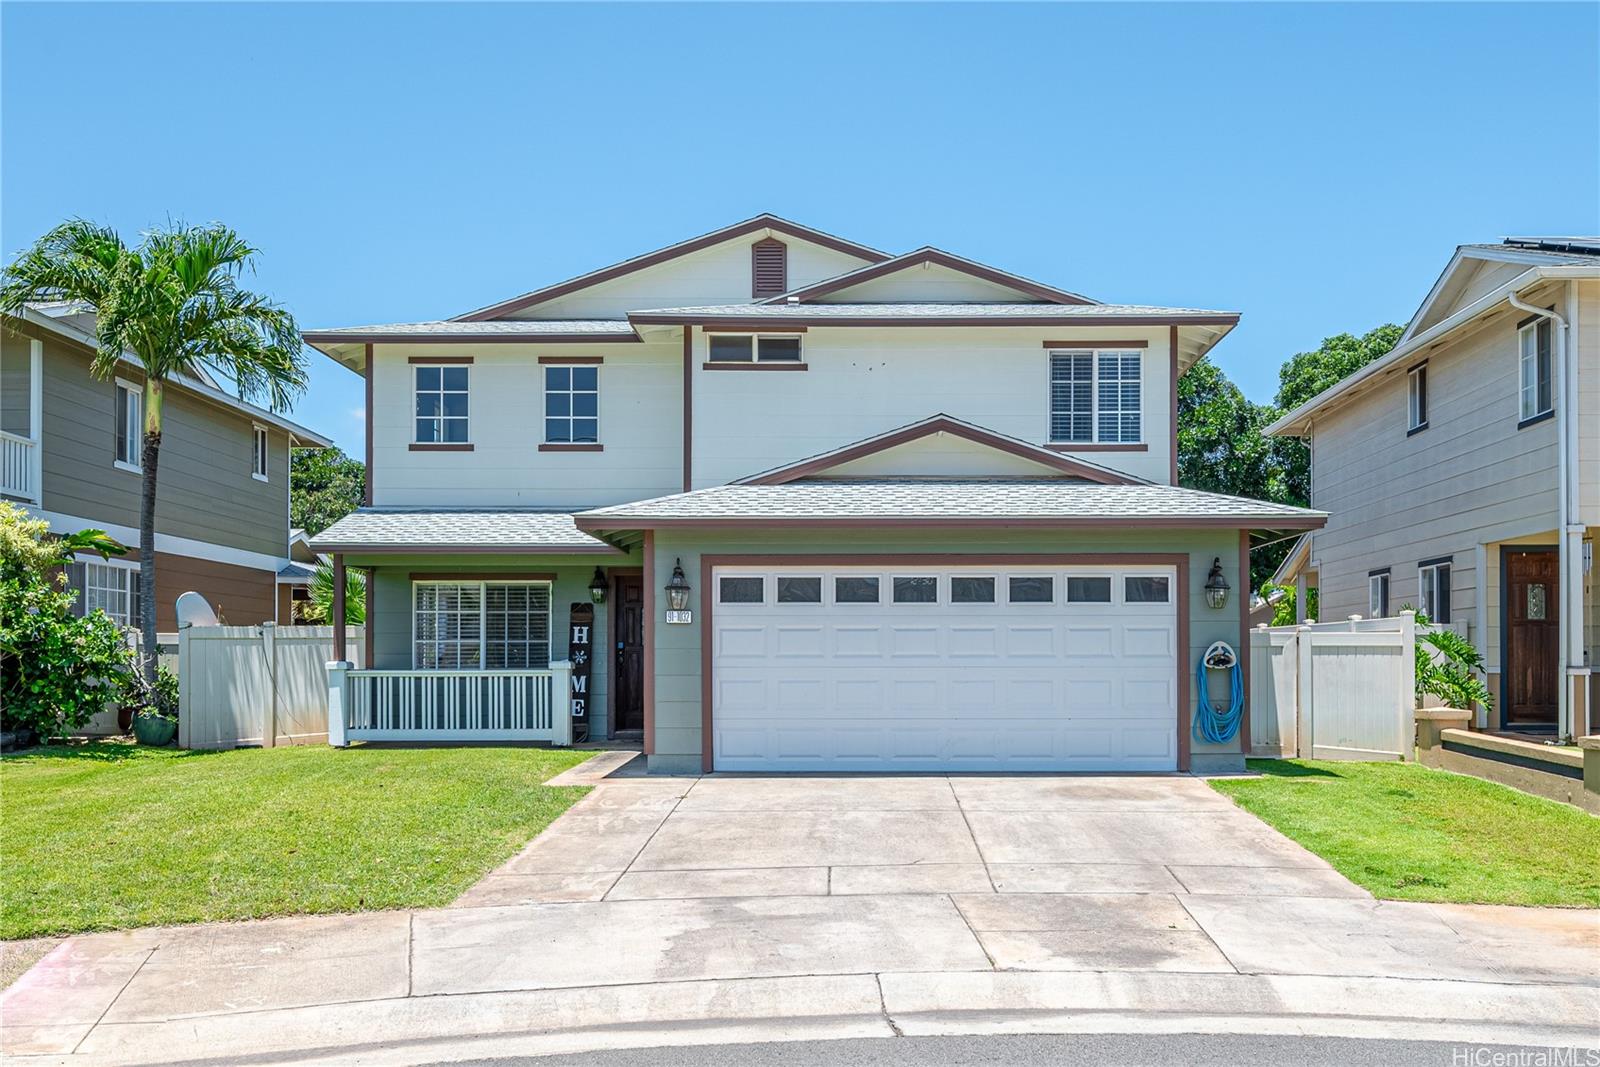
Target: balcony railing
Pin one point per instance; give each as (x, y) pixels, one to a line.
(18, 468)
(449, 705)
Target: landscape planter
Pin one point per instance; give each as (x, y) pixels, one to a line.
(154, 730)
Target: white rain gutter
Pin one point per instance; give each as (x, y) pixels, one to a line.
(1570, 541)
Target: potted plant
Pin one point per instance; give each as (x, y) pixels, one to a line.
(155, 707)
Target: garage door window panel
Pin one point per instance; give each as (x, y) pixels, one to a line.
(1091, 589)
(1032, 589)
(916, 590)
(1146, 589)
(742, 590)
(855, 590)
(800, 590)
(967, 589)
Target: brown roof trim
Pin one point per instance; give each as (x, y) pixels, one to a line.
(926, 428)
(1083, 342)
(671, 252)
(366, 460)
(328, 337)
(688, 408)
(471, 550)
(708, 564)
(1048, 293)
(1172, 415)
(713, 324)
(571, 361)
(600, 523)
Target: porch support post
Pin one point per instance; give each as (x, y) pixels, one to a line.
(338, 711)
(339, 648)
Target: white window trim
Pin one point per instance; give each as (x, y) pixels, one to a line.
(135, 465)
(260, 435)
(1427, 588)
(544, 431)
(1523, 360)
(755, 347)
(1094, 394)
(1417, 398)
(414, 390)
(1120, 589)
(1375, 599)
(483, 623)
(130, 571)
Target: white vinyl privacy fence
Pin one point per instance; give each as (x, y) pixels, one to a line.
(257, 685)
(1335, 691)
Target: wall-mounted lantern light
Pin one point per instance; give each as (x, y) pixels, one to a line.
(597, 587)
(1216, 585)
(677, 589)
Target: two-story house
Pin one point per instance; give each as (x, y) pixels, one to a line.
(1461, 475)
(843, 510)
(70, 453)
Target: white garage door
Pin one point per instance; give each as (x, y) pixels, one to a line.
(944, 668)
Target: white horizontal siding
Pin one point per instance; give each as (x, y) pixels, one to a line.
(1584, 315)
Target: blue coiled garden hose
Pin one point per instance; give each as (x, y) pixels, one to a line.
(1211, 724)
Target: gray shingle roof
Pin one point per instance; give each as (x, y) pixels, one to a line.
(498, 327)
(296, 572)
(1578, 250)
(509, 530)
(958, 499)
(925, 310)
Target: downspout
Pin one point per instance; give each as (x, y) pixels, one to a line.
(1570, 543)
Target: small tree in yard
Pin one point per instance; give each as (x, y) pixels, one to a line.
(175, 303)
(320, 607)
(57, 669)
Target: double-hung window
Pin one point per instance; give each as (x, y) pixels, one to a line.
(1433, 589)
(1417, 400)
(481, 625)
(572, 405)
(1533, 346)
(113, 590)
(441, 408)
(1096, 397)
(129, 424)
(747, 348)
(258, 452)
(1378, 594)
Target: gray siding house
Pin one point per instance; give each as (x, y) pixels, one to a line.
(69, 453)
(1461, 476)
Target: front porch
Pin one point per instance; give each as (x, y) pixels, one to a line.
(21, 416)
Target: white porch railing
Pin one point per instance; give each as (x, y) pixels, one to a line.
(449, 705)
(18, 472)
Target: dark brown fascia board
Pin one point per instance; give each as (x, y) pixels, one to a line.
(656, 319)
(1048, 293)
(471, 550)
(320, 337)
(916, 432)
(663, 255)
(600, 524)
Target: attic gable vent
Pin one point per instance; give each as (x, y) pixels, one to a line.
(769, 267)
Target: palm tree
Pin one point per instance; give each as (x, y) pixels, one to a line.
(173, 301)
(320, 607)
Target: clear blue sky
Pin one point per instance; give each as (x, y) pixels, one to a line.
(1311, 166)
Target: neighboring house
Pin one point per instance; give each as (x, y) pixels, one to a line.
(70, 453)
(294, 578)
(1461, 474)
(924, 509)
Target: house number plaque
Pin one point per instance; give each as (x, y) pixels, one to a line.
(579, 652)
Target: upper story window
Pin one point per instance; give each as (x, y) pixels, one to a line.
(744, 348)
(1433, 589)
(571, 405)
(1095, 397)
(1378, 594)
(1533, 345)
(259, 453)
(1417, 399)
(441, 404)
(769, 267)
(129, 424)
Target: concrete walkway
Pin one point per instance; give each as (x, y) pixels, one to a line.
(723, 909)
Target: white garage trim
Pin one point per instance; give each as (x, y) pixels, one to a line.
(1176, 565)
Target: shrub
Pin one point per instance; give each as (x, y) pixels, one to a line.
(1448, 667)
(57, 670)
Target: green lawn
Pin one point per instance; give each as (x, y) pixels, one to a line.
(103, 836)
(1407, 832)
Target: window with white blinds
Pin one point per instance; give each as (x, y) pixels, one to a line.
(1095, 397)
(480, 625)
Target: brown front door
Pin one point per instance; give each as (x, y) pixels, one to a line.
(1532, 661)
(630, 652)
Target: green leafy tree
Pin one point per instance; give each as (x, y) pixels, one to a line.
(57, 669)
(325, 485)
(1305, 375)
(175, 302)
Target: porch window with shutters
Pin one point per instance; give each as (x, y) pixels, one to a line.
(769, 267)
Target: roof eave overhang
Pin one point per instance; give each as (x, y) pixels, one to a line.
(1297, 423)
(603, 524)
(822, 322)
(359, 549)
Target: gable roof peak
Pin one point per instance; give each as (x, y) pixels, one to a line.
(929, 254)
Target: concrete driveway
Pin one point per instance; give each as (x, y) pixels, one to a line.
(724, 909)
